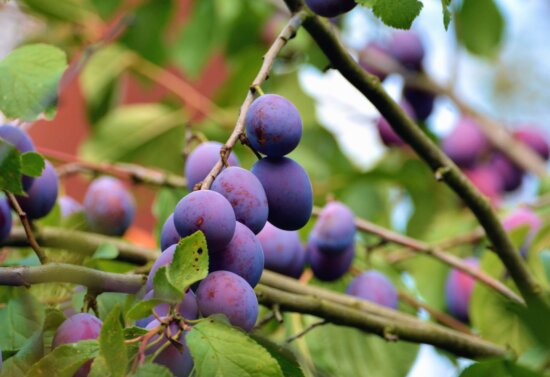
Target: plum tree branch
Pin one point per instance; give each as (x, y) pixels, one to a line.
(28, 233)
(441, 165)
(285, 35)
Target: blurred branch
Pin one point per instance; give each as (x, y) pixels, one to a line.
(440, 164)
(28, 233)
(136, 173)
(305, 331)
(286, 34)
(435, 252)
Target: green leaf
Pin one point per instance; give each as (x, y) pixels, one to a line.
(22, 316)
(10, 168)
(29, 77)
(286, 359)
(190, 262)
(65, 360)
(221, 350)
(480, 26)
(399, 14)
(99, 368)
(545, 260)
(66, 10)
(445, 4)
(500, 368)
(345, 352)
(106, 8)
(106, 251)
(111, 344)
(153, 370)
(142, 309)
(32, 164)
(22, 361)
(164, 289)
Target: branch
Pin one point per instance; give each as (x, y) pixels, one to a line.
(418, 332)
(435, 252)
(441, 165)
(286, 34)
(28, 234)
(81, 242)
(68, 273)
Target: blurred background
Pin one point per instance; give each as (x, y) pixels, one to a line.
(172, 71)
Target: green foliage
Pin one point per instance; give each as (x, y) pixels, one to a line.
(218, 350)
(480, 27)
(111, 344)
(399, 14)
(498, 367)
(284, 356)
(153, 370)
(30, 74)
(13, 165)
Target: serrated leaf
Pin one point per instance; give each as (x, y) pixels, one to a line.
(284, 356)
(142, 309)
(32, 164)
(10, 168)
(480, 26)
(111, 344)
(153, 370)
(399, 14)
(190, 262)
(29, 77)
(500, 368)
(164, 289)
(65, 360)
(446, 13)
(221, 350)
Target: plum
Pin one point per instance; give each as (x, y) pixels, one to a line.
(371, 52)
(179, 362)
(510, 174)
(406, 47)
(466, 143)
(209, 212)
(273, 125)
(374, 286)
(22, 142)
(164, 259)
(459, 289)
(243, 255)
(246, 194)
(288, 190)
(5, 218)
(281, 248)
(169, 235)
(422, 101)
(109, 207)
(523, 217)
(334, 231)
(69, 206)
(330, 8)
(329, 267)
(79, 327)
(535, 139)
(42, 194)
(487, 181)
(223, 292)
(202, 160)
(187, 308)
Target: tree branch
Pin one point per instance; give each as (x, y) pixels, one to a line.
(286, 34)
(418, 332)
(29, 236)
(441, 165)
(81, 242)
(68, 273)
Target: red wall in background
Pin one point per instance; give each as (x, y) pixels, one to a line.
(70, 127)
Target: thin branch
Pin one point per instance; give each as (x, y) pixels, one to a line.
(435, 252)
(286, 34)
(81, 242)
(441, 165)
(305, 331)
(99, 281)
(29, 236)
(418, 332)
(136, 173)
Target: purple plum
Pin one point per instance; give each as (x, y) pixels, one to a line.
(374, 286)
(202, 160)
(459, 289)
(42, 194)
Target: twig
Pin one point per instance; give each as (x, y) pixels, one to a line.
(27, 227)
(405, 127)
(305, 331)
(435, 252)
(286, 34)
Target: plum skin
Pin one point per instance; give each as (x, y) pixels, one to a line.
(329, 267)
(371, 51)
(523, 217)
(466, 143)
(335, 228)
(246, 194)
(22, 142)
(5, 218)
(458, 289)
(422, 102)
(281, 249)
(179, 363)
(169, 235)
(69, 206)
(487, 181)
(42, 194)
(375, 287)
(79, 327)
(209, 212)
(243, 255)
(288, 190)
(227, 293)
(273, 125)
(201, 161)
(330, 8)
(406, 47)
(164, 259)
(109, 207)
(187, 308)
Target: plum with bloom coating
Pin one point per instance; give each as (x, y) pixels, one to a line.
(5, 218)
(283, 251)
(374, 286)
(330, 8)
(466, 143)
(69, 206)
(223, 292)
(523, 217)
(201, 161)
(179, 362)
(273, 125)
(334, 231)
(329, 267)
(168, 235)
(42, 194)
(459, 289)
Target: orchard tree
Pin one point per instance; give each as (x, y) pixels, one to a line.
(278, 254)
